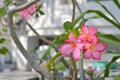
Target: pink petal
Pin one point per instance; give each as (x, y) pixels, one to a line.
(72, 37)
(96, 55)
(24, 14)
(85, 29)
(31, 9)
(93, 39)
(66, 49)
(100, 46)
(76, 54)
(86, 45)
(68, 41)
(87, 54)
(81, 36)
(93, 31)
(79, 44)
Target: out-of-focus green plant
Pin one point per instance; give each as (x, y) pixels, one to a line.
(3, 49)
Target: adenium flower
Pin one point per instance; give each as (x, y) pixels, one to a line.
(94, 48)
(87, 33)
(27, 12)
(87, 42)
(73, 45)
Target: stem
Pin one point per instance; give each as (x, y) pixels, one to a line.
(65, 63)
(42, 38)
(81, 69)
(79, 10)
(73, 12)
(27, 55)
(75, 70)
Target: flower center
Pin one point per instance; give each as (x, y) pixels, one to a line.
(73, 44)
(92, 47)
(87, 36)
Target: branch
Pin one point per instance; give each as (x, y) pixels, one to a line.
(81, 69)
(27, 55)
(41, 37)
(80, 11)
(73, 12)
(19, 8)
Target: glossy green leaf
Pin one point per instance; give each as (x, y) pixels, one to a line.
(117, 77)
(52, 60)
(102, 15)
(109, 38)
(106, 74)
(2, 40)
(68, 26)
(60, 39)
(3, 50)
(107, 11)
(117, 3)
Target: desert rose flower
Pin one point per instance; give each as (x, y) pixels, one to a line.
(72, 45)
(94, 48)
(87, 33)
(87, 42)
(27, 12)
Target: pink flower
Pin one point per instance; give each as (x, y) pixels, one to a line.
(94, 49)
(73, 45)
(27, 12)
(87, 33)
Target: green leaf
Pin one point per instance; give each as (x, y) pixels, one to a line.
(46, 53)
(2, 12)
(7, 2)
(108, 65)
(109, 38)
(60, 39)
(79, 18)
(107, 11)
(16, 14)
(93, 17)
(102, 15)
(60, 66)
(4, 50)
(2, 40)
(117, 77)
(68, 26)
(117, 3)
(5, 30)
(52, 60)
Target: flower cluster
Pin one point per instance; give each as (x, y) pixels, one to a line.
(87, 42)
(27, 12)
